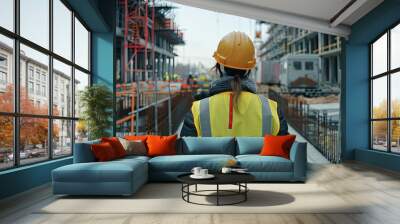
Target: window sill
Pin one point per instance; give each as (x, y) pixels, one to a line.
(30, 166)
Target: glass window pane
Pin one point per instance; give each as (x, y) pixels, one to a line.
(395, 47)
(379, 56)
(62, 138)
(81, 132)
(81, 81)
(379, 97)
(309, 65)
(379, 135)
(81, 45)
(6, 142)
(395, 136)
(6, 74)
(297, 65)
(395, 94)
(33, 139)
(7, 14)
(35, 21)
(62, 29)
(62, 89)
(34, 97)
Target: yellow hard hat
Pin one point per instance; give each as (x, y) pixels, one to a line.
(236, 50)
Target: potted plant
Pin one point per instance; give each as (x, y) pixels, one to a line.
(96, 104)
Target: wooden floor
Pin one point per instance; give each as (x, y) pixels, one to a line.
(379, 189)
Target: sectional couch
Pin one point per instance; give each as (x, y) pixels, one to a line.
(125, 176)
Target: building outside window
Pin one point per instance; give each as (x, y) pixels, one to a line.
(3, 78)
(30, 72)
(38, 89)
(30, 87)
(37, 75)
(3, 61)
(384, 92)
(55, 130)
(43, 90)
(3, 72)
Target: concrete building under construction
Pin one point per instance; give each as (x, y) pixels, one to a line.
(284, 40)
(146, 95)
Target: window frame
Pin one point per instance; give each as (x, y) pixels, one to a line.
(388, 74)
(16, 114)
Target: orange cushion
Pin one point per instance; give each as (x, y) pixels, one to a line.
(277, 145)
(116, 145)
(136, 138)
(103, 152)
(161, 145)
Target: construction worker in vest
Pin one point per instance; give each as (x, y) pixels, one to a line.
(232, 107)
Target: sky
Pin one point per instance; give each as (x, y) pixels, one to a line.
(379, 60)
(202, 30)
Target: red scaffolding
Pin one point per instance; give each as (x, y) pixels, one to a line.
(142, 63)
(138, 29)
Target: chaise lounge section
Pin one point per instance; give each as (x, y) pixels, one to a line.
(125, 176)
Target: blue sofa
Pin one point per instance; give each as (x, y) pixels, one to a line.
(125, 176)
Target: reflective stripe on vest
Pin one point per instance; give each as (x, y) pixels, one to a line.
(205, 121)
(266, 116)
(205, 117)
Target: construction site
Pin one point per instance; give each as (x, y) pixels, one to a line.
(298, 68)
(150, 97)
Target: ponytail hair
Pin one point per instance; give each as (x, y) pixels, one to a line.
(236, 83)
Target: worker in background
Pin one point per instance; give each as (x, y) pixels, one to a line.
(232, 107)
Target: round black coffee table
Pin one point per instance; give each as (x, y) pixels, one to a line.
(238, 179)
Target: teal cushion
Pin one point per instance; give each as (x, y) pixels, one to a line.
(111, 171)
(185, 163)
(83, 152)
(249, 145)
(257, 163)
(207, 145)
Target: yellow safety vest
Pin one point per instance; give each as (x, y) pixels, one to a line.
(254, 115)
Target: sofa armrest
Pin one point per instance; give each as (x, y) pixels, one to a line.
(83, 152)
(298, 155)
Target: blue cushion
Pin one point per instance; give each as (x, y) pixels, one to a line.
(118, 177)
(249, 145)
(207, 145)
(185, 163)
(298, 155)
(83, 153)
(112, 171)
(257, 163)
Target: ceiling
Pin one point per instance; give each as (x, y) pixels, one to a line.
(327, 16)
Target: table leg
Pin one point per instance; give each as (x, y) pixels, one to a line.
(182, 190)
(217, 194)
(188, 190)
(195, 188)
(245, 193)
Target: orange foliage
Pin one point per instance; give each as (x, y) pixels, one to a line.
(380, 127)
(33, 130)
